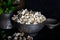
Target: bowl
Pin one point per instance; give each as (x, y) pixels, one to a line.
(31, 29)
(51, 23)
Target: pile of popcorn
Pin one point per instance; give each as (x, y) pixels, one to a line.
(29, 17)
(20, 36)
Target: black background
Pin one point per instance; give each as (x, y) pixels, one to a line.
(50, 8)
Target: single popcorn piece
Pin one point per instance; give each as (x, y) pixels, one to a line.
(9, 37)
(38, 21)
(31, 14)
(31, 11)
(22, 22)
(36, 13)
(22, 16)
(27, 14)
(32, 20)
(24, 11)
(35, 23)
(15, 38)
(17, 34)
(29, 38)
(27, 22)
(14, 34)
(14, 17)
(18, 21)
(43, 18)
(21, 19)
(39, 14)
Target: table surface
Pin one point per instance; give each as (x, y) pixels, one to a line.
(45, 33)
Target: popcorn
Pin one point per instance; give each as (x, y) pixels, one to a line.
(24, 11)
(36, 13)
(29, 17)
(29, 37)
(20, 36)
(35, 23)
(15, 38)
(22, 16)
(27, 23)
(14, 17)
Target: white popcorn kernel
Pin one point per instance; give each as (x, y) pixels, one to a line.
(24, 11)
(27, 16)
(34, 16)
(22, 16)
(18, 21)
(31, 11)
(27, 23)
(32, 19)
(39, 14)
(18, 11)
(38, 21)
(43, 18)
(15, 17)
(22, 22)
(18, 34)
(9, 37)
(31, 14)
(28, 37)
(36, 13)
(29, 20)
(41, 21)
(15, 38)
(14, 34)
(35, 23)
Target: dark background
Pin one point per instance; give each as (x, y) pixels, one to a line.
(51, 9)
